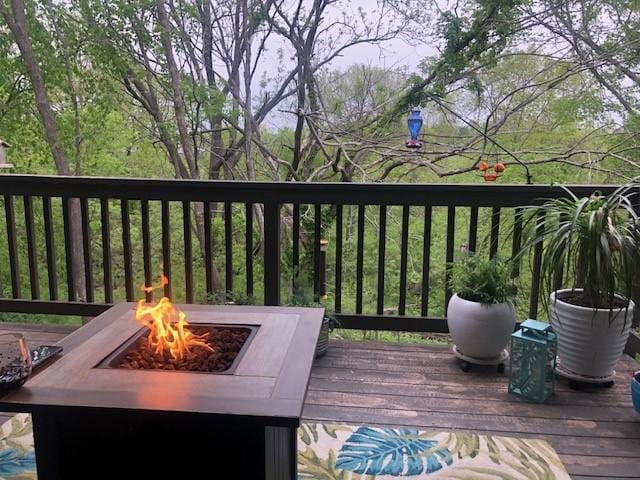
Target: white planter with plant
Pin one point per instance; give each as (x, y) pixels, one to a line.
(481, 315)
(594, 242)
(590, 342)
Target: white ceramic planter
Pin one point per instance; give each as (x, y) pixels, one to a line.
(323, 340)
(478, 330)
(590, 343)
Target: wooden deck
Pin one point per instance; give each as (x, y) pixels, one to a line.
(597, 434)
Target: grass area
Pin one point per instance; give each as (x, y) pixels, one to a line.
(40, 319)
(392, 337)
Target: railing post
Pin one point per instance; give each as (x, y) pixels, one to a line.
(272, 254)
(535, 277)
(635, 294)
(317, 269)
(14, 263)
(322, 287)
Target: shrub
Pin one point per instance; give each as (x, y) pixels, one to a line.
(483, 280)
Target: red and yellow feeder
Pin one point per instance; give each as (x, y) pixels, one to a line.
(491, 173)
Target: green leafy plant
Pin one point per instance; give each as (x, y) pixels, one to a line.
(593, 241)
(229, 298)
(301, 296)
(482, 280)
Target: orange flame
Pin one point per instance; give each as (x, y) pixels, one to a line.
(168, 334)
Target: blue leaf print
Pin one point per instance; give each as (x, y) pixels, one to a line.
(14, 461)
(390, 451)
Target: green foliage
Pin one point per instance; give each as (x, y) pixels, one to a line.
(483, 280)
(355, 97)
(70, 320)
(478, 38)
(229, 298)
(392, 337)
(302, 296)
(117, 138)
(594, 240)
(567, 110)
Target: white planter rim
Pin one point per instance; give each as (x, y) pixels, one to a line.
(554, 298)
(508, 302)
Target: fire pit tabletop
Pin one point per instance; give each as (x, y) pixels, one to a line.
(88, 419)
(270, 379)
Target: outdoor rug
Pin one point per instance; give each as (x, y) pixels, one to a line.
(347, 452)
(17, 458)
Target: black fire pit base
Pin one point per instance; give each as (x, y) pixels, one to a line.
(150, 445)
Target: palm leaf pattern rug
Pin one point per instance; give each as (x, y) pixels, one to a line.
(347, 452)
(17, 459)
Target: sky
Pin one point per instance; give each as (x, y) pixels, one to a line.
(398, 53)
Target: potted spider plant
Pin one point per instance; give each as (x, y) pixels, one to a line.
(481, 315)
(594, 243)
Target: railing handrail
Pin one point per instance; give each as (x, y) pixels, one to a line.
(417, 194)
(85, 236)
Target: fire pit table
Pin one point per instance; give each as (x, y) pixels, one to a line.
(94, 416)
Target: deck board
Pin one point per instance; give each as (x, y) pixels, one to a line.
(596, 434)
(38, 334)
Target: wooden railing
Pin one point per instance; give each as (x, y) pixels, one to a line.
(134, 229)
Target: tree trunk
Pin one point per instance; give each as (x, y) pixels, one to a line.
(198, 229)
(216, 151)
(176, 90)
(71, 85)
(248, 114)
(17, 23)
(16, 20)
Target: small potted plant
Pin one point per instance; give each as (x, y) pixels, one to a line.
(301, 297)
(481, 315)
(329, 322)
(591, 246)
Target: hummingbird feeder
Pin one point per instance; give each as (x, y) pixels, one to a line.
(414, 122)
(491, 173)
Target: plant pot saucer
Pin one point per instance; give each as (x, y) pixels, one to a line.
(606, 380)
(466, 361)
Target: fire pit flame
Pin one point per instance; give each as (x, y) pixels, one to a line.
(167, 326)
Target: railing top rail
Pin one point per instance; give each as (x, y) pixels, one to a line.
(495, 195)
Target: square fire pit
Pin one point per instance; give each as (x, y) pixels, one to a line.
(94, 420)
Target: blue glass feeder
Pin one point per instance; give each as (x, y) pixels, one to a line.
(414, 122)
(533, 361)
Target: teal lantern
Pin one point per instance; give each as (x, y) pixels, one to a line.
(533, 361)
